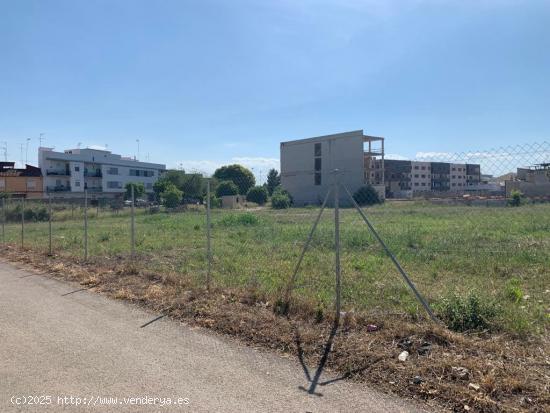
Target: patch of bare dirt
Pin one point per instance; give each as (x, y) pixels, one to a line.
(458, 372)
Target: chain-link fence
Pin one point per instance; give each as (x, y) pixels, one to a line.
(455, 224)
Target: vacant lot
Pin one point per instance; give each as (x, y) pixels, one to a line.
(495, 260)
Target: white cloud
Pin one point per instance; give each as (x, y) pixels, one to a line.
(396, 156)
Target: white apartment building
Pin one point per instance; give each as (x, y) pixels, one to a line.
(71, 172)
(421, 176)
(458, 178)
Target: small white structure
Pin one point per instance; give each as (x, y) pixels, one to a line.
(70, 172)
(233, 201)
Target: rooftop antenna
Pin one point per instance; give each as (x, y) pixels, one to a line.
(21, 159)
(79, 145)
(40, 138)
(137, 140)
(5, 150)
(27, 151)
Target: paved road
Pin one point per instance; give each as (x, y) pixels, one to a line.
(88, 346)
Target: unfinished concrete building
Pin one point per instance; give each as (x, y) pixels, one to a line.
(308, 165)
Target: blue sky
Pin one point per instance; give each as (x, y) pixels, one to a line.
(203, 83)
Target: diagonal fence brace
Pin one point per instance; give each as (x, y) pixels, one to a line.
(392, 257)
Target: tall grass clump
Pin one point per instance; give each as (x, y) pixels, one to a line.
(243, 219)
(469, 313)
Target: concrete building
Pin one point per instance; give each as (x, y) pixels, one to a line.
(20, 183)
(307, 165)
(70, 172)
(531, 182)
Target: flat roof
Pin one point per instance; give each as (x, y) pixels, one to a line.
(358, 132)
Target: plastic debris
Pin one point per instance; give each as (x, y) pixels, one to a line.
(371, 328)
(403, 356)
(474, 386)
(461, 373)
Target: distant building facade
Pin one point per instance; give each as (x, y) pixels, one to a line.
(20, 182)
(405, 179)
(73, 171)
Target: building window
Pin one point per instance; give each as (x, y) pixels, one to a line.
(423, 176)
(114, 185)
(113, 171)
(317, 149)
(416, 184)
(317, 178)
(416, 167)
(423, 168)
(416, 175)
(77, 168)
(77, 183)
(317, 164)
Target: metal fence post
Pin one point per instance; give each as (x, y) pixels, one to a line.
(337, 244)
(133, 221)
(22, 222)
(208, 239)
(50, 221)
(3, 220)
(85, 224)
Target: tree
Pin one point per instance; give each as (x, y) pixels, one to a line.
(226, 188)
(366, 195)
(139, 190)
(239, 175)
(160, 186)
(171, 197)
(193, 185)
(273, 181)
(257, 194)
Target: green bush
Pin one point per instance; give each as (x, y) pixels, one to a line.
(516, 198)
(257, 194)
(226, 188)
(280, 201)
(32, 214)
(468, 313)
(366, 195)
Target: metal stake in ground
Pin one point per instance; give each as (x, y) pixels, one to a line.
(50, 221)
(337, 244)
(392, 257)
(304, 250)
(208, 241)
(86, 224)
(133, 221)
(22, 222)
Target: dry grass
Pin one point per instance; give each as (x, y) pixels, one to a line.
(512, 375)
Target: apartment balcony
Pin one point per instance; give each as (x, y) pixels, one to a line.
(58, 173)
(93, 174)
(94, 189)
(58, 188)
